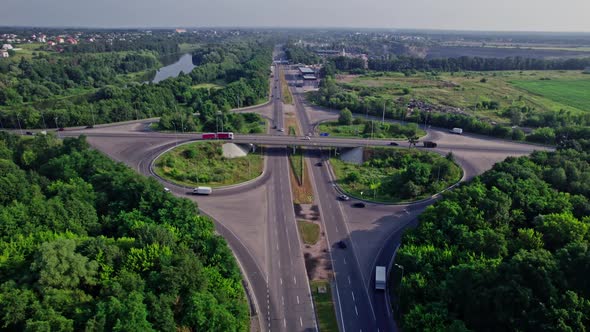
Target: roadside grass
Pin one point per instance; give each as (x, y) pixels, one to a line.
(297, 163)
(465, 89)
(309, 231)
(324, 306)
(387, 131)
(208, 86)
(187, 47)
(202, 164)
(299, 175)
(396, 175)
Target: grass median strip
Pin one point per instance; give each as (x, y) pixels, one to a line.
(309, 231)
(324, 305)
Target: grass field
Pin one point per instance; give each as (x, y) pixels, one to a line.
(356, 130)
(202, 164)
(309, 231)
(324, 306)
(544, 90)
(212, 86)
(574, 93)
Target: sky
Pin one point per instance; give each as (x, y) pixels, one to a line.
(495, 15)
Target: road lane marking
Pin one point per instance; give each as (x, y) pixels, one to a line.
(356, 310)
(300, 321)
(349, 282)
(283, 300)
(281, 279)
(344, 260)
(297, 299)
(285, 322)
(353, 296)
(279, 264)
(295, 280)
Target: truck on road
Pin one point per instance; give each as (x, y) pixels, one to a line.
(228, 135)
(380, 279)
(202, 191)
(457, 131)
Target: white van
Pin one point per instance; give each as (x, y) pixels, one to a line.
(202, 191)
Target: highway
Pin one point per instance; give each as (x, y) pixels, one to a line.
(258, 219)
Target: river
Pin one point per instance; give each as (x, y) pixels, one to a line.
(173, 65)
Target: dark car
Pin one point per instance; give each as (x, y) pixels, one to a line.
(359, 205)
(429, 144)
(393, 144)
(60, 129)
(90, 127)
(319, 164)
(341, 245)
(30, 133)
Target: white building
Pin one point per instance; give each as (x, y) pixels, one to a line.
(4, 54)
(7, 47)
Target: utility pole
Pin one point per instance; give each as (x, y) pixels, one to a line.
(91, 112)
(44, 124)
(19, 127)
(383, 117)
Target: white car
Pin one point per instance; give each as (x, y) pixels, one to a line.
(166, 189)
(307, 138)
(343, 197)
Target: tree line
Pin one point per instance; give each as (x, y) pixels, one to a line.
(507, 252)
(464, 63)
(88, 244)
(244, 72)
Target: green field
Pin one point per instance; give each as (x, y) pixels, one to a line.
(545, 91)
(202, 164)
(574, 93)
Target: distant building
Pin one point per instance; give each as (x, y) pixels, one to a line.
(306, 71)
(180, 30)
(7, 47)
(72, 41)
(59, 40)
(51, 43)
(4, 54)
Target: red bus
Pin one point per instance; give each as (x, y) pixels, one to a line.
(208, 136)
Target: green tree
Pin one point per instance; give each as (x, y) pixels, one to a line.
(345, 117)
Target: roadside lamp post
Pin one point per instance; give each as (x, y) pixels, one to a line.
(56, 125)
(400, 283)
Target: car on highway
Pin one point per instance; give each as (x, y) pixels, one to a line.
(359, 205)
(30, 133)
(343, 197)
(90, 127)
(307, 138)
(341, 245)
(281, 129)
(60, 129)
(319, 164)
(393, 144)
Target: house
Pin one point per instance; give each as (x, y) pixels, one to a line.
(4, 54)
(7, 47)
(59, 40)
(51, 43)
(72, 41)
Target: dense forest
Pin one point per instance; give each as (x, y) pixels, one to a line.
(87, 244)
(242, 66)
(553, 128)
(507, 252)
(298, 54)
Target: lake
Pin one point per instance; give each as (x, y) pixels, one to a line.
(173, 65)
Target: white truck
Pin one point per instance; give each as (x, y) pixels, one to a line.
(457, 131)
(202, 191)
(380, 279)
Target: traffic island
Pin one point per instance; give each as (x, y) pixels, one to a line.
(390, 175)
(209, 164)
